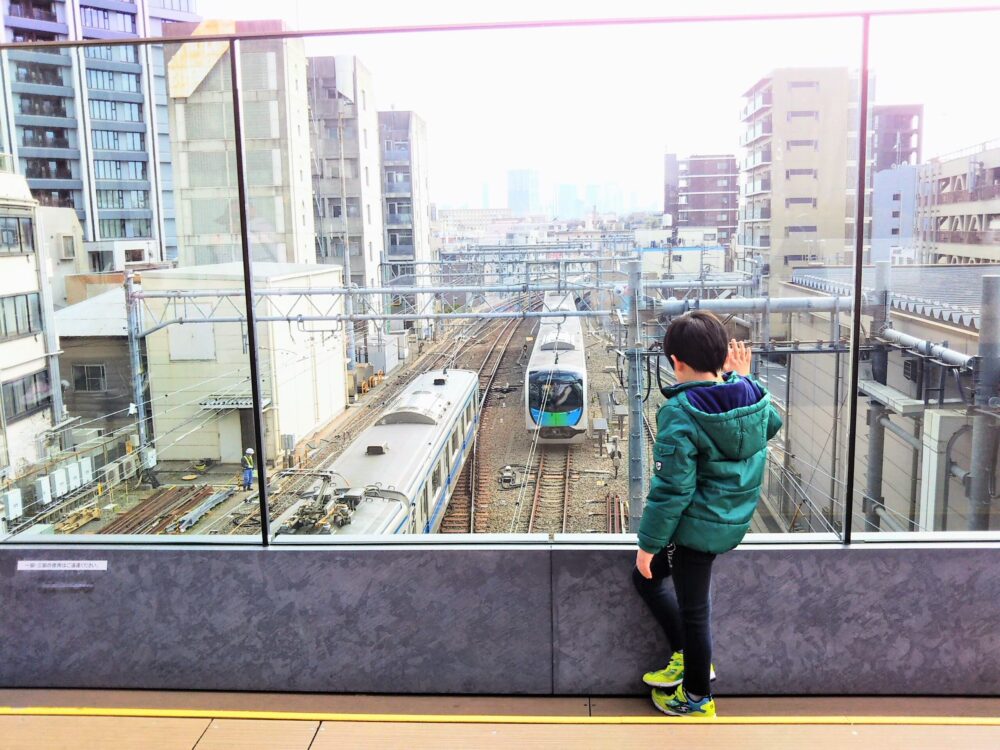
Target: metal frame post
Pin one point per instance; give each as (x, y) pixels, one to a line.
(251, 319)
(873, 498)
(985, 427)
(134, 325)
(636, 449)
(859, 246)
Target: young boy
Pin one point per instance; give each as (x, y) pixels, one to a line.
(709, 459)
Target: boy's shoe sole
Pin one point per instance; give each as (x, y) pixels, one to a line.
(675, 683)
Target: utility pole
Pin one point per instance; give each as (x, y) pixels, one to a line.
(985, 427)
(636, 448)
(873, 499)
(132, 306)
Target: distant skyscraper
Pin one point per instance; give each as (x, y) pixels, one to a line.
(894, 214)
(568, 204)
(522, 192)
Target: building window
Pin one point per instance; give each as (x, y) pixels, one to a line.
(27, 395)
(117, 111)
(803, 84)
(802, 143)
(21, 315)
(789, 173)
(895, 214)
(724, 182)
(800, 201)
(119, 170)
(112, 229)
(895, 230)
(800, 229)
(896, 196)
(89, 378)
(135, 255)
(68, 247)
(811, 114)
(101, 79)
(17, 235)
(367, 183)
(110, 20)
(368, 213)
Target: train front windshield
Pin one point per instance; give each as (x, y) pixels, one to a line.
(555, 399)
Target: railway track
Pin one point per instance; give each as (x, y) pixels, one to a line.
(160, 511)
(461, 516)
(550, 503)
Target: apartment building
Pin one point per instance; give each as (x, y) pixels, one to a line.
(898, 134)
(276, 138)
(87, 126)
(703, 190)
(800, 162)
(958, 207)
(407, 201)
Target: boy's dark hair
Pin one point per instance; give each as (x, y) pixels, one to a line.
(699, 340)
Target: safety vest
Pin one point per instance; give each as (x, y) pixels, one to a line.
(247, 462)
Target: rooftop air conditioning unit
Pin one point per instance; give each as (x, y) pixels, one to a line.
(129, 466)
(57, 480)
(12, 504)
(43, 490)
(86, 470)
(109, 475)
(73, 476)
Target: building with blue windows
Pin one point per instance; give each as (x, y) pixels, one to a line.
(87, 126)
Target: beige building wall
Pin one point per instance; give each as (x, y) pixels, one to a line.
(275, 118)
(302, 369)
(798, 172)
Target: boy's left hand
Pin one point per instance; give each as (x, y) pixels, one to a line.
(738, 359)
(643, 560)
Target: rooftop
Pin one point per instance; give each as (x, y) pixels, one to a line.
(101, 315)
(948, 293)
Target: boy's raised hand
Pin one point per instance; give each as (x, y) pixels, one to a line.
(739, 358)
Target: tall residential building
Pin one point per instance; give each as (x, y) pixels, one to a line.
(800, 164)
(87, 127)
(407, 197)
(276, 138)
(958, 207)
(894, 215)
(523, 197)
(898, 130)
(347, 172)
(702, 190)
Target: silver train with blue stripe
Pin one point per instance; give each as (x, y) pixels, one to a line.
(396, 477)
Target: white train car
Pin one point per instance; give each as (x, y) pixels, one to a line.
(397, 476)
(555, 404)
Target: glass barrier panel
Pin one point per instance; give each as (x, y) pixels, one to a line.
(926, 444)
(125, 412)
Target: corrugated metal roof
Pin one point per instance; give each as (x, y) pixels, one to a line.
(951, 294)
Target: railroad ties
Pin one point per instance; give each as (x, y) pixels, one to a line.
(160, 511)
(550, 504)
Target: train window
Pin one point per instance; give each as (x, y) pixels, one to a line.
(454, 442)
(436, 477)
(555, 398)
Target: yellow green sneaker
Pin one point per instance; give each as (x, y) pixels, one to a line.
(678, 704)
(672, 674)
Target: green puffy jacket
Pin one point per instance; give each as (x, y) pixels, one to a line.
(708, 464)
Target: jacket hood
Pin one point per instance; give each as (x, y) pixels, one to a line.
(733, 413)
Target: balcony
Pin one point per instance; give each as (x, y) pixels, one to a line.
(988, 237)
(28, 11)
(45, 142)
(46, 199)
(754, 188)
(392, 188)
(400, 251)
(757, 159)
(755, 133)
(757, 214)
(396, 154)
(397, 219)
(755, 105)
(36, 172)
(42, 109)
(6, 163)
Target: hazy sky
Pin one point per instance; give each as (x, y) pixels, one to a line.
(602, 105)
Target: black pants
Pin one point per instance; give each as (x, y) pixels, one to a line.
(686, 618)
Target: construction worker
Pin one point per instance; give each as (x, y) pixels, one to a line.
(247, 463)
